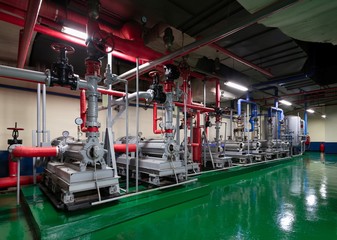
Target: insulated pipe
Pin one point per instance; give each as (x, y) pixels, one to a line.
(111, 92)
(226, 31)
(217, 93)
(121, 148)
(83, 110)
(32, 13)
(59, 35)
(195, 107)
(7, 182)
(22, 151)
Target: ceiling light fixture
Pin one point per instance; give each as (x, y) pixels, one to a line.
(285, 102)
(74, 32)
(310, 110)
(323, 116)
(236, 86)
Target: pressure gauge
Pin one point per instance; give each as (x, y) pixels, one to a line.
(79, 121)
(143, 19)
(65, 134)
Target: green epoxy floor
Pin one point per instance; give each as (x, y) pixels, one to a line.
(296, 200)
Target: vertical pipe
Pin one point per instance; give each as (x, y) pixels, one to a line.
(137, 120)
(44, 120)
(185, 133)
(231, 124)
(127, 134)
(38, 126)
(30, 21)
(305, 119)
(217, 93)
(18, 184)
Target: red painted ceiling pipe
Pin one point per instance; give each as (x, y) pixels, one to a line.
(22, 151)
(59, 35)
(241, 60)
(26, 37)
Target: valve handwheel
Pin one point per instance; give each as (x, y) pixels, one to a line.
(103, 40)
(58, 47)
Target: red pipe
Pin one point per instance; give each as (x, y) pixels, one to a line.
(217, 93)
(12, 167)
(241, 60)
(111, 92)
(7, 182)
(196, 107)
(155, 119)
(59, 35)
(83, 110)
(122, 148)
(217, 98)
(22, 151)
(197, 140)
(30, 21)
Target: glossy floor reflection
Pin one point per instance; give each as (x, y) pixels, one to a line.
(297, 200)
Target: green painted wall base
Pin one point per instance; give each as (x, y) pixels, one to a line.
(49, 223)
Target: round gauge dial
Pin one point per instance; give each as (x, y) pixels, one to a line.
(65, 134)
(78, 121)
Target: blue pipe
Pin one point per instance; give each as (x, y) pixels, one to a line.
(253, 111)
(280, 118)
(285, 79)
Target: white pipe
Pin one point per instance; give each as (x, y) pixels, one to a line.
(44, 119)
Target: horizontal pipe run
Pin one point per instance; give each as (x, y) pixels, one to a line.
(148, 96)
(241, 60)
(23, 74)
(195, 107)
(22, 151)
(226, 31)
(59, 35)
(7, 182)
(121, 148)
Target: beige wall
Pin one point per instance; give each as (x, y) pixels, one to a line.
(20, 106)
(323, 130)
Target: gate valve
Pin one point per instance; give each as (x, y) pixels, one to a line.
(62, 73)
(158, 93)
(15, 135)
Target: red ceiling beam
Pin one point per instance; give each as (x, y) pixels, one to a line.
(241, 60)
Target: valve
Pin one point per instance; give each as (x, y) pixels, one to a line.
(171, 72)
(62, 73)
(158, 93)
(15, 135)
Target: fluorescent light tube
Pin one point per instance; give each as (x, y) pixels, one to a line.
(236, 86)
(310, 110)
(74, 32)
(285, 102)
